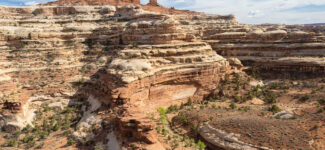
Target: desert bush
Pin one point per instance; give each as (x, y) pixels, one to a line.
(40, 146)
(16, 134)
(98, 147)
(321, 101)
(244, 108)
(232, 106)
(237, 98)
(189, 102)
(70, 141)
(161, 111)
(171, 109)
(30, 144)
(56, 127)
(275, 109)
(269, 96)
(182, 117)
(28, 138)
(201, 145)
(304, 98)
(12, 143)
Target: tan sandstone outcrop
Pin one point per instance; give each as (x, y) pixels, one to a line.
(138, 60)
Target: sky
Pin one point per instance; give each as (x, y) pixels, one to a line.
(246, 11)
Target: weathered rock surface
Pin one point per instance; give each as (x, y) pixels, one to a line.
(278, 48)
(138, 60)
(221, 139)
(141, 59)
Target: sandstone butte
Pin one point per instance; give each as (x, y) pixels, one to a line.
(133, 59)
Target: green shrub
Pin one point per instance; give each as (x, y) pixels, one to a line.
(321, 101)
(16, 134)
(40, 146)
(244, 108)
(237, 98)
(70, 141)
(232, 106)
(275, 109)
(171, 109)
(12, 143)
(189, 102)
(27, 129)
(56, 127)
(194, 129)
(214, 106)
(269, 97)
(161, 111)
(304, 98)
(30, 144)
(43, 134)
(277, 117)
(182, 117)
(28, 138)
(201, 145)
(98, 147)
(181, 106)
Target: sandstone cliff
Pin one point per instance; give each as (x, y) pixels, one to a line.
(133, 61)
(137, 60)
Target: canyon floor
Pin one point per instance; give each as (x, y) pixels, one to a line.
(261, 114)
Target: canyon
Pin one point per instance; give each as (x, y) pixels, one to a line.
(116, 62)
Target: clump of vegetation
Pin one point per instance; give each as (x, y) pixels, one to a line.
(269, 96)
(70, 141)
(171, 109)
(201, 145)
(182, 117)
(321, 101)
(275, 109)
(189, 102)
(12, 143)
(163, 117)
(304, 98)
(56, 119)
(244, 108)
(232, 106)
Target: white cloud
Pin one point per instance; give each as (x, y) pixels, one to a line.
(31, 3)
(246, 11)
(256, 11)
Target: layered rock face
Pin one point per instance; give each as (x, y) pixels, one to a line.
(151, 6)
(166, 74)
(285, 48)
(278, 48)
(167, 68)
(94, 2)
(137, 60)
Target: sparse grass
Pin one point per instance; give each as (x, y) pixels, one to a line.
(45, 124)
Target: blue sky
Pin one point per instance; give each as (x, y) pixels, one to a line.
(246, 11)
